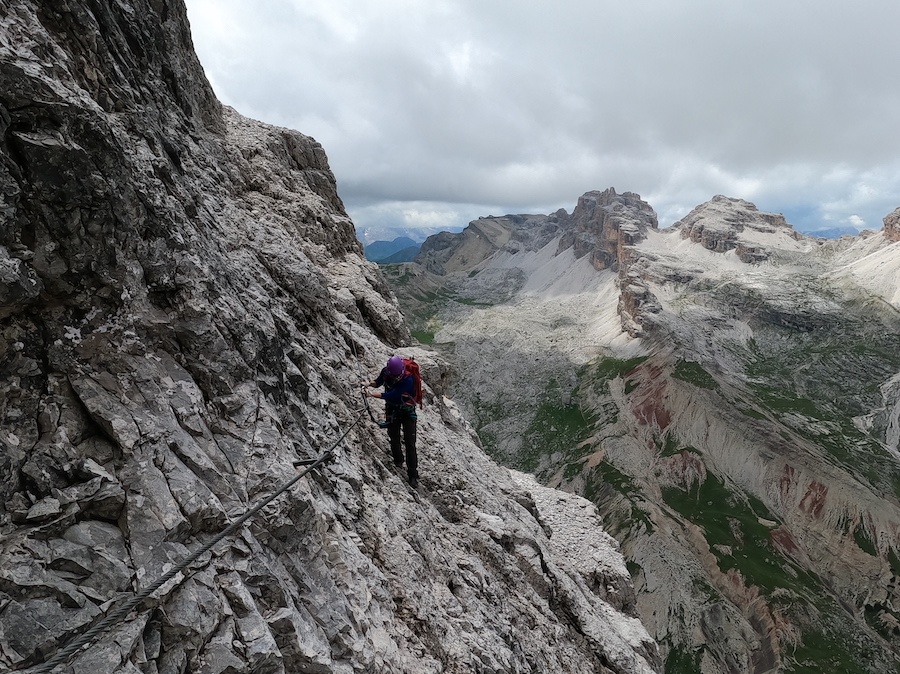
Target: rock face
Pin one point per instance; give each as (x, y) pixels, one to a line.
(724, 224)
(892, 225)
(446, 253)
(604, 224)
(184, 313)
(729, 399)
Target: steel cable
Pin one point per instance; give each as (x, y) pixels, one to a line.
(87, 638)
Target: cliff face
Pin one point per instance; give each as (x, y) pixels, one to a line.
(729, 399)
(185, 312)
(446, 253)
(892, 225)
(724, 224)
(604, 224)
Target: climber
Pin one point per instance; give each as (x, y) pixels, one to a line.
(399, 395)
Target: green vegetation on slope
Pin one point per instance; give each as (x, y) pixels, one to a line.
(835, 650)
(739, 540)
(557, 428)
(422, 307)
(671, 447)
(605, 483)
(680, 661)
(561, 424)
(693, 373)
(809, 372)
(825, 424)
(816, 372)
(423, 336)
(600, 371)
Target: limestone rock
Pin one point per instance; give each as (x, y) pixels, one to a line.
(446, 253)
(725, 223)
(892, 225)
(605, 223)
(43, 510)
(19, 284)
(185, 312)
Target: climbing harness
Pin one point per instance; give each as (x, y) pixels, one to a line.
(87, 638)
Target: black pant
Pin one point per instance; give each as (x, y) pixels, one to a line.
(405, 418)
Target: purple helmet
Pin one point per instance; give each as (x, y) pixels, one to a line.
(395, 366)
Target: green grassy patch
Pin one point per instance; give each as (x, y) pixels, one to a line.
(398, 273)
(572, 469)
(831, 375)
(485, 413)
(555, 428)
(423, 336)
(596, 375)
(851, 448)
(604, 481)
(610, 368)
(731, 524)
(874, 614)
(693, 373)
(785, 401)
(680, 661)
(753, 414)
(821, 652)
(894, 561)
(671, 447)
(863, 541)
(613, 477)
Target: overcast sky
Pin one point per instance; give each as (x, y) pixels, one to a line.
(435, 112)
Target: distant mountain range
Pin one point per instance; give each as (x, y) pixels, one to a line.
(401, 249)
(404, 249)
(831, 232)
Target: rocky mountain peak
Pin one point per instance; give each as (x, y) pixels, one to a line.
(725, 223)
(447, 252)
(601, 226)
(603, 223)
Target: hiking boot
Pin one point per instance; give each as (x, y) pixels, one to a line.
(413, 481)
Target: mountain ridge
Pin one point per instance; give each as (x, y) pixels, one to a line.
(403, 248)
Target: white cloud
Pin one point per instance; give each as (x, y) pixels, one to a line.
(417, 219)
(522, 105)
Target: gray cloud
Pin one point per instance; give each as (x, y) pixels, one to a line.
(431, 111)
